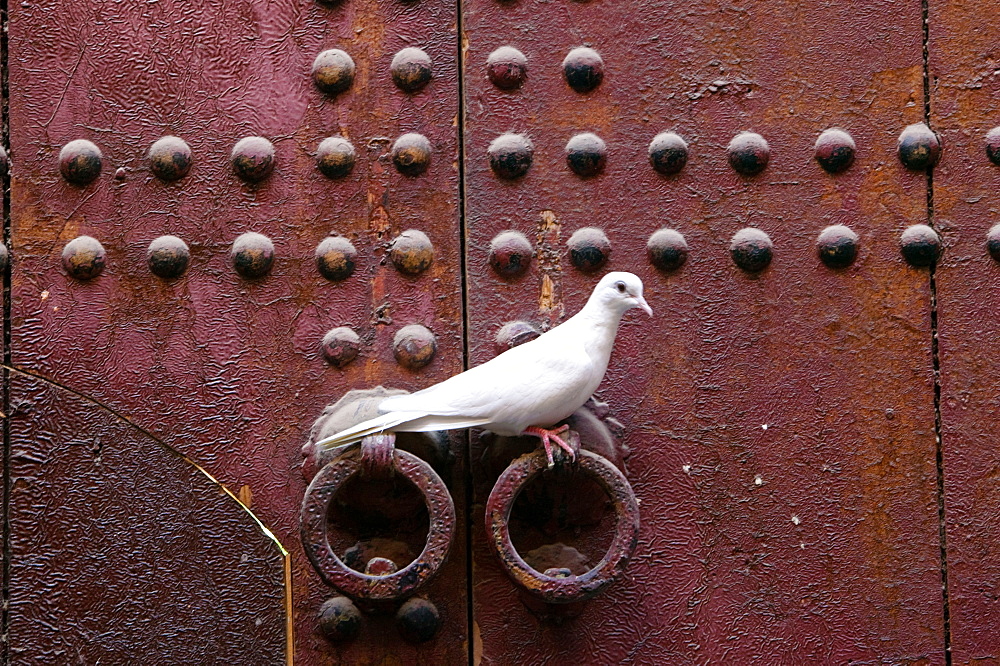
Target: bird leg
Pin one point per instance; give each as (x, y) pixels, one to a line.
(549, 436)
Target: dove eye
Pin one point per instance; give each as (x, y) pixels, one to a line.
(620, 286)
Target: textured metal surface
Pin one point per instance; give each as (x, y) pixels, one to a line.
(227, 370)
(781, 423)
(965, 107)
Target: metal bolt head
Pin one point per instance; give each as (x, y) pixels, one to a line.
(252, 255)
(253, 159)
(4, 162)
(837, 246)
(335, 258)
(335, 157)
(993, 145)
(589, 249)
(586, 154)
(414, 346)
(170, 158)
(333, 71)
(340, 346)
(515, 333)
(993, 242)
(920, 245)
(668, 153)
(84, 258)
(418, 620)
(4, 258)
(168, 257)
(411, 69)
(411, 154)
(510, 254)
(748, 153)
(510, 155)
(583, 69)
(919, 147)
(339, 619)
(412, 252)
(507, 68)
(835, 150)
(667, 250)
(80, 162)
(751, 249)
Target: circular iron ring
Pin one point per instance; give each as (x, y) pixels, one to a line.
(406, 581)
(570, 588)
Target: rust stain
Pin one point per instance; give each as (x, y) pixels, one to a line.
(549, 262)
(246, 496)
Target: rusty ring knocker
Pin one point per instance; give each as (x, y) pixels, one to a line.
(571, 588)
(402, 583)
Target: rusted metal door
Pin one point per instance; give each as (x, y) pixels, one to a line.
(223, 218)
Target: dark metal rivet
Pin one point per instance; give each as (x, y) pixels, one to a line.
(4, 162)
(418, 620)
(411, 69)
(993, 242)
(668, 153)
(253, 158)
(412, 252)
(411, 154)
(510, 253)
(335, 157)
(341, 346)
(920, 245)
(583, 69)
(834, 150)
(751, 249)
(4, 258)
(414, 346)
(170, 158)
(667, 249)
(507, 68)
(586, 154)
(515, 333)
(748, 153)
(168, 257)
(80, 162)
(589, 249)
(120, 173)
(252, 255)
(335, 257)
(919, 147)
(993, 145)
(84, 257)
(510, 155)
(837, 246)
(339, 619)
(333, 71)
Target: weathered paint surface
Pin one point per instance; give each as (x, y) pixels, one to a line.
(781, 424)
(964, 108)
(228, 370)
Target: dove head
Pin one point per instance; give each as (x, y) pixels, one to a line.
(620, 292)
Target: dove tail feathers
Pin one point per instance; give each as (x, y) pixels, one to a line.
(373, 426)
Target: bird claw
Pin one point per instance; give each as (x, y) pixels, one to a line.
(571, 448)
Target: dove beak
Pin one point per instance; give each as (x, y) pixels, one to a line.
(644, 305)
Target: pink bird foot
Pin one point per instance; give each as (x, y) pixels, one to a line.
(549, 436)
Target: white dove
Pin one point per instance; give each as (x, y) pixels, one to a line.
(524, 390)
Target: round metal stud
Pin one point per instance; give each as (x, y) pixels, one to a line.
(335, 157)
(411, 154)
(411, 69)
(168, 257)
(586, 154)
(515, 333)
(668, 153)
(412, 252)
(510, 155)
(751, 249)
(993, 242)
(414, 346)
(748, 153)
(993, 145)
(80, 162)
(170, 158)
(4, 162)
(920, 245)
(919, 147)
(583, 69)
(4, 258)
(84, 257)
(252, 255)
(340, 346)
(507, 68)
(837, 246)
(253, 158)
(667, 249)
(589, 249)
(333, 71)
(335, 257)
(510, 253)
(835, 150)
(339, 620)
(418, 620)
